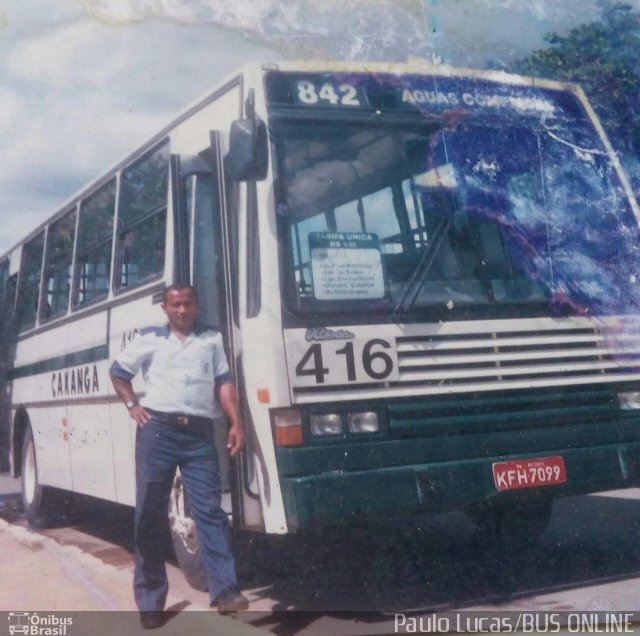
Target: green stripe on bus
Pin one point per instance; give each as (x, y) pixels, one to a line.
(94, 354)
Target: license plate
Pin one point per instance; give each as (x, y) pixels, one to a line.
(529, 473)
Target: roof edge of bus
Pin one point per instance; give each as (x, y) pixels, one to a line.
(420, 65)
(412, 65)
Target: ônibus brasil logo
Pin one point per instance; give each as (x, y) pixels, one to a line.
(38, 624)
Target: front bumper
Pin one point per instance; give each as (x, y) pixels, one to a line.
(378, 495)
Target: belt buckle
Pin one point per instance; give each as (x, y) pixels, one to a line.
(183, 420)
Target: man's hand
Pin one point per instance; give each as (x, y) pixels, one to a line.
(229, 401)
(139, 414)
(126, 394)
(236, 440)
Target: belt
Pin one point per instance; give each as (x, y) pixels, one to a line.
(180, 419)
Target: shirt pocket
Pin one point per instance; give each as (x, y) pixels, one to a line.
(205, 358)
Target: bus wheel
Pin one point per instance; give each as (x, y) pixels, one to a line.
(36, 499)
(513, 526)
(184, 537)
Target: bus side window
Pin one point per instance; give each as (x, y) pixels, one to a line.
(93, 253)
(142, 219)
(203, 241)
(6, 313)
(29, 282)
(7, 297)
(4, 287)
(57, 267)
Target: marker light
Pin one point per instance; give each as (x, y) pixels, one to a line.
(288, 426)
(364, 422)
(326, 424)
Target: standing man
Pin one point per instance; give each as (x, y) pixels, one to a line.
(187, 379)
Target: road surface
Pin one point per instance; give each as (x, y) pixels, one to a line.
(344, 582)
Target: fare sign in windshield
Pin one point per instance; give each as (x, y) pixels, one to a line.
(346, 266)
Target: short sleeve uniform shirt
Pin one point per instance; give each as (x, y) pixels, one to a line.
(179, 377)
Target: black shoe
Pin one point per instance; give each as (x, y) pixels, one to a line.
(230, 600)
(152, 619)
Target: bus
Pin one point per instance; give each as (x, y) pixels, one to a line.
(425, 279)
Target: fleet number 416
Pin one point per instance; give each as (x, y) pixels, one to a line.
(353, 361)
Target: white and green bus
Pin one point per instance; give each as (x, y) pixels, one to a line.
(425, 281)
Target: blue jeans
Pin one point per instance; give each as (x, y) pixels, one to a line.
(160, 447)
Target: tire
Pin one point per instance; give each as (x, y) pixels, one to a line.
(184, 537)
(37, 500)
(516, 526)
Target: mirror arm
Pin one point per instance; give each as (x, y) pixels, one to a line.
(250, 104)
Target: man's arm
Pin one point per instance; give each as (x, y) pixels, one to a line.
(125, 392)
(228, 397)
(125, 366)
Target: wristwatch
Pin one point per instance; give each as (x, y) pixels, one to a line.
(130, 404)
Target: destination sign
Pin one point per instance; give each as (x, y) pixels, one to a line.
(384, 92)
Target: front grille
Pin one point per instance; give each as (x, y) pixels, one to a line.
(503, 357)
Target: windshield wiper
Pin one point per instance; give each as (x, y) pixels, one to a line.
(419, 275)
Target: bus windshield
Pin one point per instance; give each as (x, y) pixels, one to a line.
(470, 216)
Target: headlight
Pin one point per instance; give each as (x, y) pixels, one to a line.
(629, 401)
(365, 422)
(288, 428)
(326, 424)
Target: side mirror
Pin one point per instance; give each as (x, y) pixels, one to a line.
(248, 155)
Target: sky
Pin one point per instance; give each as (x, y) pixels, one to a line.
(84, 82)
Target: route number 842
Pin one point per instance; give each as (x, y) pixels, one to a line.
(343, 94)
(354, 361)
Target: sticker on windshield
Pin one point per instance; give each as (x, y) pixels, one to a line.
(346, 266)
